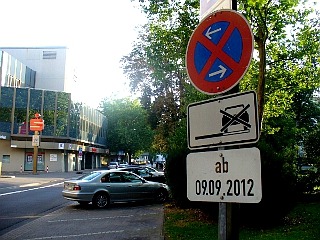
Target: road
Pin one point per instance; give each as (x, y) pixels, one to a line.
(31, 201)
(38, 211)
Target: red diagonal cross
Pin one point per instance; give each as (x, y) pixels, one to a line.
(217, 51)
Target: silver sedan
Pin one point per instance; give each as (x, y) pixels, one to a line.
(109, 186)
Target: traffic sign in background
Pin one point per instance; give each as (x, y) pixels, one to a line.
(35, 140)
(219, 52)
(225, 176)
(223, 121)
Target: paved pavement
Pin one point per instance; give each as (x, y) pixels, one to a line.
(26, 179)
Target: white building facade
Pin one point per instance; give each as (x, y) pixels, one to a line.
(40, 80)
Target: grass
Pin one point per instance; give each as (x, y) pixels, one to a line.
(303, 223)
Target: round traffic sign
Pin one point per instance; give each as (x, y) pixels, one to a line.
(219, 52)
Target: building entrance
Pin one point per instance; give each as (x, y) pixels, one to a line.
(28, 163)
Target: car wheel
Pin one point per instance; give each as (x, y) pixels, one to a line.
(83, 203)
(100, 200)
(161, 195)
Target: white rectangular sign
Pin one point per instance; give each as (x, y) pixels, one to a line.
(225, 176)
(36, 140)
(224, 121)
(53, 157)
(208, 6)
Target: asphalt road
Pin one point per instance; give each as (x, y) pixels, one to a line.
(35, 209)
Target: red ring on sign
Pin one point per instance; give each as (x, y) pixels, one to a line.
(236, 21)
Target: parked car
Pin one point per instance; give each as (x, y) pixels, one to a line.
(148, 173)
(108, 186)
(123, 164)
(113, 165)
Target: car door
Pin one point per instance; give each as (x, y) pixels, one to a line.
(117, 187)
(137, 187)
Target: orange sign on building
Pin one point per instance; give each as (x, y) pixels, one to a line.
(36, 124)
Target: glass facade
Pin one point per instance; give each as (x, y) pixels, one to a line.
(6, 109)
(20, 113)
(62, 117)
(14, 73)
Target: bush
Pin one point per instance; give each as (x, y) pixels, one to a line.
(278, 189)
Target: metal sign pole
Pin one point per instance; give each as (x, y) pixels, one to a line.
(228, 221)
(229, 212)
(35, 155)
(204, 68)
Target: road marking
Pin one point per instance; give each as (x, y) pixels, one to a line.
(31, 189)
(86, 219)
(76, 235)
(30, 185)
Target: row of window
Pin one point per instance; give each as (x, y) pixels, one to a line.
(62, 117)
(14, 73)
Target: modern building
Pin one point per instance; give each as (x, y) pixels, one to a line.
(53, 66)
(74, 135)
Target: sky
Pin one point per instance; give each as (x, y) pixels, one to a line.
(98, 34)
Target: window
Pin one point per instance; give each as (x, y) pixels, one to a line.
(115, 177)
(130, 178)
(6, 158)
(105, 178)
(49, 55)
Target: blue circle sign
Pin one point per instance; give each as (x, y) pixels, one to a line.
(219, 52)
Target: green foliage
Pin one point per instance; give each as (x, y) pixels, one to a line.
(284, 71)
(278, 173)
(309, 180)
(187, 224)
(128, 129)
(311, 145)
(156, 65)
(302, 223)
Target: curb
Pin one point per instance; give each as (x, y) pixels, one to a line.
(5, 176)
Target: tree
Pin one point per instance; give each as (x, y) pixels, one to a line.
(156, 66)
(128, 129)
(284, 73)
(280, 56)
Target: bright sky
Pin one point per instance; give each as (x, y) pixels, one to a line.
(98, 32)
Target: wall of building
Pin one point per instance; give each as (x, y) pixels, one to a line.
(14, 73)
(69, 127)
(51, 160)
(16, 156)
(54, 70)
(54, 160)
(21, 159)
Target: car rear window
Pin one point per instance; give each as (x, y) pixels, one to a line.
(91, 176)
